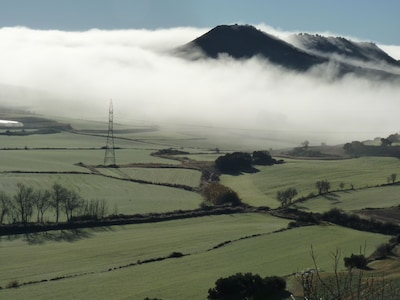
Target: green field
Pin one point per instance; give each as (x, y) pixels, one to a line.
(381, 197)
(63, 254)
(94, 263)
(157, 175)
(260, 188)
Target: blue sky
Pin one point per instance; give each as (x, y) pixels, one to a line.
(370, 20)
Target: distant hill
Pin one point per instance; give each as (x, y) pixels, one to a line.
(245, 41)
(305, 51)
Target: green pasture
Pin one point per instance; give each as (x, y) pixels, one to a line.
(64, 160)
(157, 175)
(41, 257)
(123, 196)
(377, 197)
(260, 188)
(56, 140)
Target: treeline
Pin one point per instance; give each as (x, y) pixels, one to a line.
(29, 205)
(357, 148)
(243, 161)
(79, 222)
(339, 217)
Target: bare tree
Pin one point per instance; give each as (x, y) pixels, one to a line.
(350, 284)
(24, 202)
(71, 202)
(42, 200)
(392, 178)
(59, 194)
(95, 209)
(5, 206)
(286, 196)
(323, 186)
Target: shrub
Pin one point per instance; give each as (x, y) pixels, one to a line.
(246, 286)
(176, 255)
(234, 162)
(263, 158)
(12, 284)
(218, 194)
(355, 261)
(382, 251)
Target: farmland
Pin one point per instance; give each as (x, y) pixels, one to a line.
(134, 261)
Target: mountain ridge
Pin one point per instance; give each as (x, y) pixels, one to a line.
(300, 53)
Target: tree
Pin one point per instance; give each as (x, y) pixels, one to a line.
(323, 186)
(305, 144)
(234, 162)
(218, 194)
(246, 286)
(392, 178)
(42, 201)
(263, 158)
(24, 201)
(94, 209)
(341, 185)
(71, 202)
(286, 196)
(5, 206)
(355, 261)
(59, 195)
(386, 142)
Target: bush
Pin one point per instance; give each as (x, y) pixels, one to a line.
(246, 286)
(12, 284)
(234, 162)
(355, 261)
(176, 255)
(263, 158)
(218, 194)
(382, 251)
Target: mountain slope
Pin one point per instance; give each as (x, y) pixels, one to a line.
(245, 41)
(305, 51)
(328, 46)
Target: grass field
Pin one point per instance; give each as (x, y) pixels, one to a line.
(260, 188)
(379, 197)
(95, 261)
(158, 175)
(121, 196)
(189, 277)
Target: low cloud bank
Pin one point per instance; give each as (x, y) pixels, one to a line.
(75, 74)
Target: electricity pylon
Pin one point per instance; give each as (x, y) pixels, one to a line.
(109, 157)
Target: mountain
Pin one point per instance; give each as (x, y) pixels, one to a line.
(304, 52)
(245, 41)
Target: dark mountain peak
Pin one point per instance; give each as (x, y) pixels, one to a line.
(302, 53)
(326, 46)
(245, 41)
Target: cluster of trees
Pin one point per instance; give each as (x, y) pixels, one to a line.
(357, 148)
(20, 208)
(217, 194)
(285, 197)
(247, 286)
(393, 138)
(243, 161)
(339, 217)
(323, 186)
